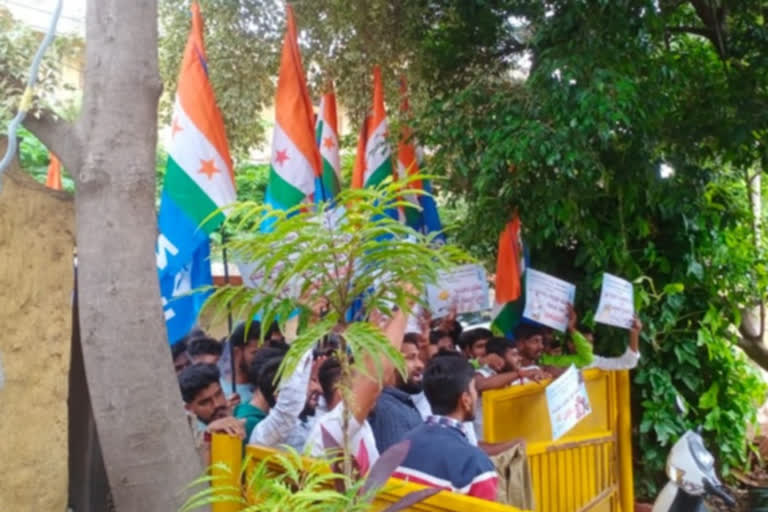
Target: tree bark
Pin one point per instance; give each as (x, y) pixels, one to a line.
(147, 446)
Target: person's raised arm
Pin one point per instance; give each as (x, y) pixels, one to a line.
(284, 416)
(366, 388)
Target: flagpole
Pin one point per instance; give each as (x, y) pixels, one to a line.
(229, 313)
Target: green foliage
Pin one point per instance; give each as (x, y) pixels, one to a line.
(280, 482)
(576, 143)
(289, 480)
(34, 159)
(18, 44)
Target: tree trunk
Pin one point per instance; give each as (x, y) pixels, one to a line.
(147, 446)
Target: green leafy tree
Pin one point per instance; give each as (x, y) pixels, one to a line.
(615, 93)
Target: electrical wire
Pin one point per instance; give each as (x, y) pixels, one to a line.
(28, 95)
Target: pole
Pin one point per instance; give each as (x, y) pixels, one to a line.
(229, 316)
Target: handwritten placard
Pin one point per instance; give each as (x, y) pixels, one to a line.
(567, 401)
(617, 304)
(547, 299)
(465, 286)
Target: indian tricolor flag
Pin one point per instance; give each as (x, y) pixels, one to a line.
(295, 162)
(327, 133)
(198, 181)
(423, 216)
(510, 278)
(373, 163)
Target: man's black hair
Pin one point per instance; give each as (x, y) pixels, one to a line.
(259, 359)
(204, 345)
(435, 336)
(413, 338)
(498, 346)
(178, 349)
(273, 328)
(472, 336)
(193, 379)
(525, 331)
(263, 370)
(329, 375)
(237, 338)
(446, 377)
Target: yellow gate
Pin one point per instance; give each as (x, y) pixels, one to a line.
(588, 469)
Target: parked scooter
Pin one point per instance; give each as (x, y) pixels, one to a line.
(692, 476)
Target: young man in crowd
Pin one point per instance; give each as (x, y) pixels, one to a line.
(297, 437)
(396, 413)
(261, 375)
(244, 346)
(273, 412)
(179, 356)
(366, 392)
(472, 342)
(530, 346)
(581, 347)
(510, 373)
(274, 336)
(441, 340)
(440, 454)
(204, 398)
(204, 350)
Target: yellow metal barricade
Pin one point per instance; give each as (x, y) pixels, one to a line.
(226, 461)
(588, 469)
(228, 450)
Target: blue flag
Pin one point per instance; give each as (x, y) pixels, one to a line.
(181, 309)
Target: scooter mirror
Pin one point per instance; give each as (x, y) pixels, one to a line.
(680, 403)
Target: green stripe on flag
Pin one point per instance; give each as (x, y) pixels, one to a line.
(412, 216)
(380, 174)
(508, 318)
(510, 315)
(330, 180)
(190, 197)
(282, 192)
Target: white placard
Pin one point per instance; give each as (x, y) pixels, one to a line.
(465, 286)
(617, 303)
(567, 401)
(547, 299)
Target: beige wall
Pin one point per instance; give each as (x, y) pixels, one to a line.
(36, 240)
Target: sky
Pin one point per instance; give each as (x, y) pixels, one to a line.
(37, 14)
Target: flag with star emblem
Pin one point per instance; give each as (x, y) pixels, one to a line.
(327, 132)
(198, 181)
(423, 216)
(373, 163)
(295, 161)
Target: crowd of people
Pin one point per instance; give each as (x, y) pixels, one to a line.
(436, 405)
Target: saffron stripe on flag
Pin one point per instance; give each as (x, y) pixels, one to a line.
(200, 159)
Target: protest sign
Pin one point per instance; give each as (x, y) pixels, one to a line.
(567, 401)
(547, 299)
(465, 286)
(617, 305)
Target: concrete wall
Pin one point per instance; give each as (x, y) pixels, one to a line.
(36, 241)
